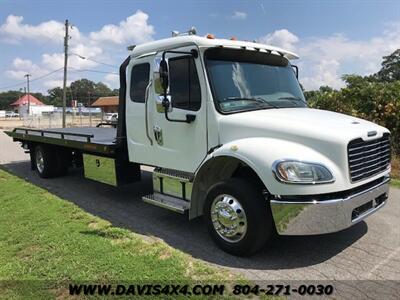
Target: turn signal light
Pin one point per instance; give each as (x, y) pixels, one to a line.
(210, 36)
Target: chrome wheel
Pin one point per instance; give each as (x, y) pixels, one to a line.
(39, 161)
(228, 218)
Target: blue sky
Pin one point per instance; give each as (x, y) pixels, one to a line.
(332, 37)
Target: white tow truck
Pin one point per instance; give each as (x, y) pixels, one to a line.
(226, 126)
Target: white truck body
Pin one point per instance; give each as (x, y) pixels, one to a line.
(257, 138)
(227, 128)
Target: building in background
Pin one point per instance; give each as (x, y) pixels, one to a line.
(107, 104)
(37, 107)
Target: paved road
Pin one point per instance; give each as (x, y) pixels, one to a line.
(369, 250)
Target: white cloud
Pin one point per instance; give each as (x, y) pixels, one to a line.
(325, 72)
(360, 56)
(134, 29)
(239, 15)
(14, 30)
(53, 61)
(102, 46)
(111, 80)
(21, 67)
(75, 59)
(52, 83)
(325, 59)
(280, 38)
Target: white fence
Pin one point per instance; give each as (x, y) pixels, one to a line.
(54, 120)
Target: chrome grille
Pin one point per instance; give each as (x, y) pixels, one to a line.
(367, 159)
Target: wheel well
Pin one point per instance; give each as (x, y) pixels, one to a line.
(64, 153)
(216, 170)
(245, 172)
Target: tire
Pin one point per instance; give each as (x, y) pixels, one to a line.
(253, 225)
(64, 160)
(47, 162)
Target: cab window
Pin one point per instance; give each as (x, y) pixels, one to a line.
(139, 81)
(184, 83)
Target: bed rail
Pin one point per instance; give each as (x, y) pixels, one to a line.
(62, 134)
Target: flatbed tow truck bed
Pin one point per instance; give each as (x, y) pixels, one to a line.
(99, 140)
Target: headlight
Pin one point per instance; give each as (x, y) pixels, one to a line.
(291, 171)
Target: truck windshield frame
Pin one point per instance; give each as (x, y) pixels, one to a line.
(238, 77)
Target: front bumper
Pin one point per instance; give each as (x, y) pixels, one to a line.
(318, 217)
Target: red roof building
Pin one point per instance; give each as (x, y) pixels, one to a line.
(108, 104)
(24, 101)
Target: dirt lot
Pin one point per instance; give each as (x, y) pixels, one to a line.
(10, 123)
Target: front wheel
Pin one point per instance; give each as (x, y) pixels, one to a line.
(238, 217)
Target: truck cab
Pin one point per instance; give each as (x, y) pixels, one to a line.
(228, 121)
(228, 131)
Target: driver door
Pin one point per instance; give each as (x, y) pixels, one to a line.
(179, 145)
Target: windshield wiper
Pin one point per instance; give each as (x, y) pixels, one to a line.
(293, 99)
(254, 99)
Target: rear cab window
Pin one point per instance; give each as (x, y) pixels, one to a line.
(140, 75)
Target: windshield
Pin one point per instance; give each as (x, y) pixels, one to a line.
(255, 81)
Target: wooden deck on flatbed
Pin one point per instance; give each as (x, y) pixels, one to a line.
(100, 140)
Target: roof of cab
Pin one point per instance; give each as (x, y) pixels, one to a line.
(203, 42)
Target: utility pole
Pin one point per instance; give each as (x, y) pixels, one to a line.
(90, 111)
(66, 38)
(29, 98)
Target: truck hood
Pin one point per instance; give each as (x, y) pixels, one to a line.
(302, 125)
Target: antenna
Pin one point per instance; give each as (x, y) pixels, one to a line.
(191, 31)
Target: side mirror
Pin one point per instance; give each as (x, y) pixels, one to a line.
(164, 100)
(162, 103)
(164, 82)
(163, 71)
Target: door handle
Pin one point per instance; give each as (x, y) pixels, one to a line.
(158, 134)
(190, 118)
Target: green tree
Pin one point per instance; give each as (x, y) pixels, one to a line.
(390, 70)
(55, 96)
(102, 90)
(80, 90)
(363, 97)
(6, 98)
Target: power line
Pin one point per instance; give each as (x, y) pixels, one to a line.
(91, 70)
(96, 61)
(55, 71)
(48, 74)
(35, 79)
(13, 85)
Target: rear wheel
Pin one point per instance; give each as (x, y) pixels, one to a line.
(238, 217)
(48, 162)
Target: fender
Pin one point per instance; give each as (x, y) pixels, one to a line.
(259, 154)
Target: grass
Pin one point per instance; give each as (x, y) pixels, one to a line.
(46, 241)
(395, 183)
(285, 214)
(395, 171)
